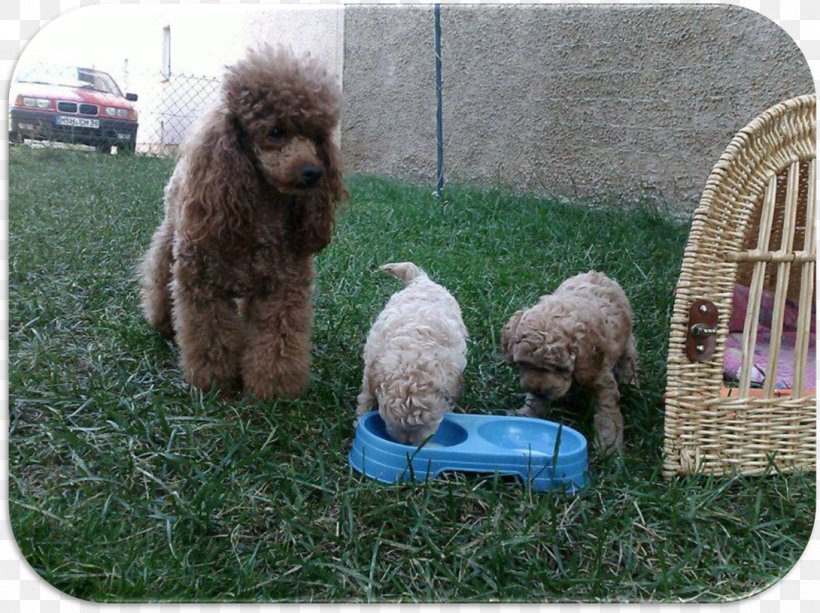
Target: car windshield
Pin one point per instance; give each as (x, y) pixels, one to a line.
(71, 76)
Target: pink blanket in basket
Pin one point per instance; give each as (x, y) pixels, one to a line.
(785, 361)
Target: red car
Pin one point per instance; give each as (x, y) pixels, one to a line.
(72, 105)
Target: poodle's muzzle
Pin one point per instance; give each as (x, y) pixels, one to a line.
(544, 383)
(293, 166)
(310, 175)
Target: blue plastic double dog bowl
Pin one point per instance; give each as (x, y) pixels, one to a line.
(537, 452)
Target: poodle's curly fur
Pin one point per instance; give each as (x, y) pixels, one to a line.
(414, 357)
(229, 270)
(580, 334)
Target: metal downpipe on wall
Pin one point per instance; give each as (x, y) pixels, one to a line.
(439, 114)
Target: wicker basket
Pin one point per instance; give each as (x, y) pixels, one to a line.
(754, 225)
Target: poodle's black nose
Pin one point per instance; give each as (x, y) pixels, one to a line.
(310, 174)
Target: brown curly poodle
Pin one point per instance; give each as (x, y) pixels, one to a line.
(229, 271)
(580, 334)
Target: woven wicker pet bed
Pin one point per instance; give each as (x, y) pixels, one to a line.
(747, 284)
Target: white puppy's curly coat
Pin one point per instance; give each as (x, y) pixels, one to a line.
(414, 357)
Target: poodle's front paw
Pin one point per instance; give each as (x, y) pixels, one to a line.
(609, 433)
(206, 377)
(533, 407)
(161, 324)
(626, 371)
(271, 388)
(279, 381)
(525, 411)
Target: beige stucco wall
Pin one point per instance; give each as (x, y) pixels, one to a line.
(590, 101)
(389, 123)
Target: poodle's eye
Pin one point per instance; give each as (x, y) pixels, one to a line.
(276, 134)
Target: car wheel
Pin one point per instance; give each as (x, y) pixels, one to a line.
(15, 137)
(103, 147)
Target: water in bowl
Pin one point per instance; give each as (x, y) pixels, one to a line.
(536, 438)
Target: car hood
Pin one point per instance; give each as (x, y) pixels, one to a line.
(72, 94)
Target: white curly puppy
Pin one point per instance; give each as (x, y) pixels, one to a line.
(580, 334)
(414, 357)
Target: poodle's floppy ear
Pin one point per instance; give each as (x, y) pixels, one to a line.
(508, 334)
(221, 177)
(315, 220)
(330, 154)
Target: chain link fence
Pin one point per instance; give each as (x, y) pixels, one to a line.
(145, 112)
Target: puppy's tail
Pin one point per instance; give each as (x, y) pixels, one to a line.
(405, 271)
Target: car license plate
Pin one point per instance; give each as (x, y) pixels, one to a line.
(77, 122)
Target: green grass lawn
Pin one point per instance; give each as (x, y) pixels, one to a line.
(126, 485)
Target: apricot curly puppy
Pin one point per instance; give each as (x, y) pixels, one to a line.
(414, 357)
(580, 334)
(229, 271)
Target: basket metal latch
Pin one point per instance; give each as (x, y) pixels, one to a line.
(701, 335)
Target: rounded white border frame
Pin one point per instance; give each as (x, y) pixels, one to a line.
(23, 591)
